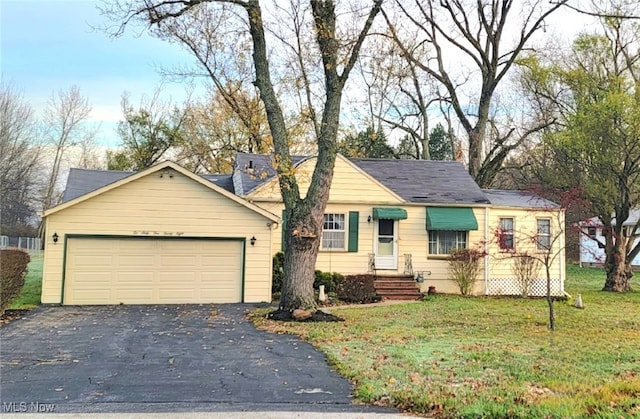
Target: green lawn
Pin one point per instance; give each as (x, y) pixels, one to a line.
(30, 295)
(453, 356)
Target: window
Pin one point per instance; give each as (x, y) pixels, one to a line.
(543, 238)
(506, 234)
(333, 232)
(443, 242)
(592, 232)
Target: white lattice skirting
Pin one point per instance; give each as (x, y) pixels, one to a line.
(510, 286)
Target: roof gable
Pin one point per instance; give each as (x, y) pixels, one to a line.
(131, 177)
(346, 176)
(83, 181)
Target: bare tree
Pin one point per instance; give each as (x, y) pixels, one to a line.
(338, 35)
(65, 118)
(399, 94)
(19, 159)
(472, 43)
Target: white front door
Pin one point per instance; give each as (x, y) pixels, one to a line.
(386, 244)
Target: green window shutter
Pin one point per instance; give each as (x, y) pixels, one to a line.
(284, 230)
(353, 231)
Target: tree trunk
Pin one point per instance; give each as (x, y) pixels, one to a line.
(475, 157)
(299, 268)
(618, 269)
(552, 314)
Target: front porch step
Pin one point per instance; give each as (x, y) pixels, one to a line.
(397, 288)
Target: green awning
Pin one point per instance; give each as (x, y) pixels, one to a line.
(389, 213)
(451, 218)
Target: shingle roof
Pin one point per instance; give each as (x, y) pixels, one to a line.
(224, 181)
(252, 170)
(83, 181)
(420, 181)
(425, 181)
(417, 181)
(519, 199)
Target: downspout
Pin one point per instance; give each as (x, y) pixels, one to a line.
(486, 251)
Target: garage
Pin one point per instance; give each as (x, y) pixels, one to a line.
(163, 235)
(153, 271)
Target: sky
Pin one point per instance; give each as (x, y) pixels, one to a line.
(49, 45)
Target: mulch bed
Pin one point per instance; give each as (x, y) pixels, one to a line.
(318, 316)
(10, 315)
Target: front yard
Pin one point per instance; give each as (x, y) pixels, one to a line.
(453, 356)
(30, 295)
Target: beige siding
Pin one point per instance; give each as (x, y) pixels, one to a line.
(412, 239)
(162, 207)
(354, 191)
(525, 227)
(349, 185)
(436, 267)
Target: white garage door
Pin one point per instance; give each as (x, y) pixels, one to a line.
(152, 271)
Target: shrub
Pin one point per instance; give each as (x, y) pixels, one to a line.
(526, 269)
(329, 280)
(356, 289)
(278, 273)
(464, 267)
(12, 272)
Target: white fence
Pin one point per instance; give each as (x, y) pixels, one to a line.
(31, 244)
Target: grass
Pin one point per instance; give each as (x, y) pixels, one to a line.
(30, 295)
(452, 356)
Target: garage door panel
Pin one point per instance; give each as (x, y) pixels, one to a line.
(134, 279)
(149, 271)
(139, 261)
(96, 261)
(186, 247)
(220, 295)
(177, 278)
(93, 296)
(90, 277)
(168, 294)
(179, 262)
(217, 260)
(134, 245)
(133, 295)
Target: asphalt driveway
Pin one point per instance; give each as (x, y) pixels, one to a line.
(161, 358)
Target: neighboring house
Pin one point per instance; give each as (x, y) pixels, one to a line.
(166, 235)
(591, 252)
